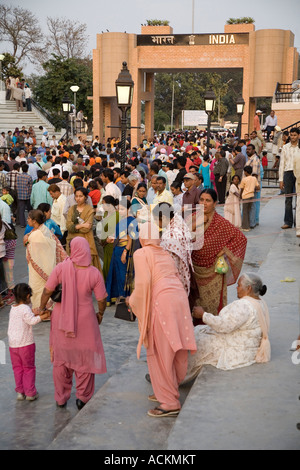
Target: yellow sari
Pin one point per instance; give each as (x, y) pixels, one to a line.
(44, 251)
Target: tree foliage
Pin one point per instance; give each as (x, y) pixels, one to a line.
(189, 90)
(242, 20)
(60, 74)
(66, 39)
(158, 23)
(9, 67)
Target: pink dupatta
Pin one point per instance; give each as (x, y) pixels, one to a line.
(151, 263)
(81, 256)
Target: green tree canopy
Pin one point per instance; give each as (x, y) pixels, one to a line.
(158, 23)
(60, 75)
(9, 67)
(242, 20)
(189, 91)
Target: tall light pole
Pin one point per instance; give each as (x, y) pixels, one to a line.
(74, 88)
(124, 91)
(66, 106)
(172, 111)
(2, 56)
(193, 16)
(210, 100)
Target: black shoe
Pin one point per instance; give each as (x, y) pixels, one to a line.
(61, 406)
(80, 404)
(148, 378)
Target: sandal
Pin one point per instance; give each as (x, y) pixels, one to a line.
(152, 398)
(162, 413)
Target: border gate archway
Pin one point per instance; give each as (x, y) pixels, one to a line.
(265, 56)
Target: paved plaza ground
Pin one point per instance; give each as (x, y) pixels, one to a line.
(251, 408)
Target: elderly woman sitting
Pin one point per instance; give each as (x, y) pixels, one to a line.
(238, 337)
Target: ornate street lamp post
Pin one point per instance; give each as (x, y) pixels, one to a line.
(240, 106)
(124, 92)
(210, 100)
(66, 106)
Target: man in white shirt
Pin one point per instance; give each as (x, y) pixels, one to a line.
(271, 122)
(27, 93)
(111, 189)
(57, 164)
(32, 170)
(57, 211)
(53, 143)
(297, 176)
(21, 157)
(287, 180)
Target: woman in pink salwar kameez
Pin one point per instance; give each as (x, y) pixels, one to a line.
(75, 340)
(161, 305)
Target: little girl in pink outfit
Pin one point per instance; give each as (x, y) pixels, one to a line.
(21, 342)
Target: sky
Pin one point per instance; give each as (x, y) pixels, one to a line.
(210, 16)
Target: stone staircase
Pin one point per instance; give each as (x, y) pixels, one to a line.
(249, 408)
(10, 118)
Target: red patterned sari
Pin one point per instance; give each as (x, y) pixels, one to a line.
(219, 236)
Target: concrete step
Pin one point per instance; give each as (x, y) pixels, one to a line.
(116, 417)
(10, 118)
(254, 407)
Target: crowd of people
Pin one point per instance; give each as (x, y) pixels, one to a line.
(128, 231)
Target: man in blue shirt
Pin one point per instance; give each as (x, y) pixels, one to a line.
(40, 193)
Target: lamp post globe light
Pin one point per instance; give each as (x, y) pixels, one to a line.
(66, 106)
(124, 93)
(240, 106)
(210, 100)
(74, 89)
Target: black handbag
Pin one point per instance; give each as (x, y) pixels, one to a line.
(10, 233)
(56, 294)
(124, 312)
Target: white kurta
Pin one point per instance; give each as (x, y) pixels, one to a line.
(227, 341)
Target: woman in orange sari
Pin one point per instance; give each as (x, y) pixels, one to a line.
(221, 238)
(161, 305)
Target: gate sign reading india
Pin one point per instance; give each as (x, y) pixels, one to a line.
(158, 49)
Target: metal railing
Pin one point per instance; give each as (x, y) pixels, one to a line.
(288, 128)
(270, 179)
(44, 112)
(284, 93)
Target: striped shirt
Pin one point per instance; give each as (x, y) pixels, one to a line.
(254, 162)
(65, 188)
(288, 154)
(12, 179)
(3, 181)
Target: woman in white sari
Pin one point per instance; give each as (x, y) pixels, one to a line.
(238, 336)
(43, 252)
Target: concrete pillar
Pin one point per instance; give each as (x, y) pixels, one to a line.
(137, 77)
(149, 106)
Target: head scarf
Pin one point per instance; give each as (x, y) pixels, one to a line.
(80, 256)
(149, 234)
